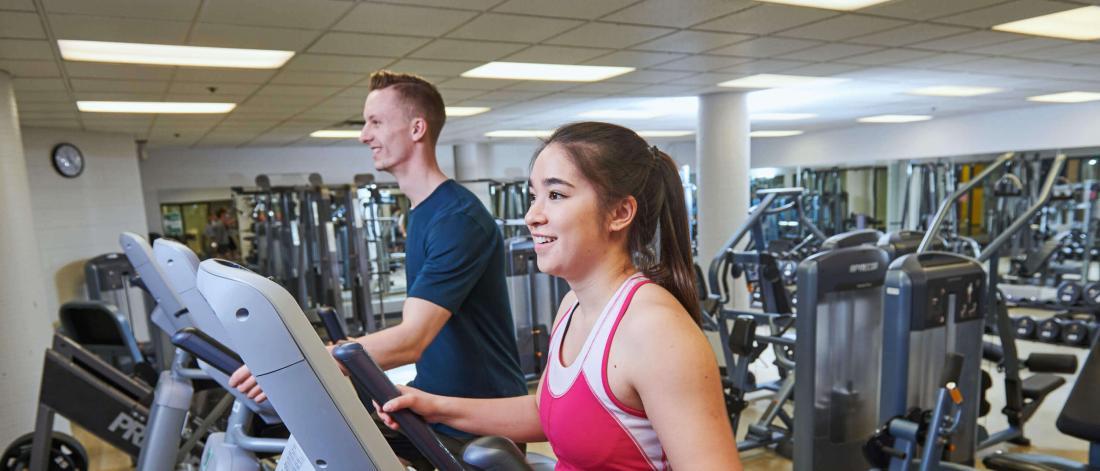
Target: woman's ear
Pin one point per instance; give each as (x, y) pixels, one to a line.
(622, 214)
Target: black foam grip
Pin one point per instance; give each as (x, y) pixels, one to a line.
(992, 352)
(1051, 363)
(331, 322)
(952, 368)
(205, 348)
(366, 375)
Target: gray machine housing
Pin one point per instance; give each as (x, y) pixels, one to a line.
(839, 341)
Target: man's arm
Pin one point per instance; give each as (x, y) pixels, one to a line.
(403, 343)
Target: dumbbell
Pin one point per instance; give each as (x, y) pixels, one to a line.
(1025, 327)
(1050, 330)
(1092, 293)
(1069, 292)
(1075, 333)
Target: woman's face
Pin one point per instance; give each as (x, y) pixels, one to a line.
(565, 218)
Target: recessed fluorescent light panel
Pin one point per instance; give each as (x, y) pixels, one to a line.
(1066, 97)
(775, 133)
(460, 111)
(777, 81)
(665, 133)
(549, 72)
(781, 116)
(160, 54)
(519, 133)
(954, 91)
(153, 107)
(895, 118)
(1082, 24)
(846, 5)
(622, 114)
(336, 133)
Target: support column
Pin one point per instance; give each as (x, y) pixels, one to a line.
(722, 166)
(472, 161)
(26, 324)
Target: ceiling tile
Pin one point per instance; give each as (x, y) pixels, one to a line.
(607, 87)
(39, 84)
(100, 28)
(399, 19)
(637, 59)
(312, 14)
(136, 95)
(224, 91)
(26, 5)
(925, 9)
(829, 52)
(540, 86)
(44, 97)
(296, 90)
(197, 74)
(1019, 45)
(181, 10)
(942, 59)
(28, 68)
(461, 49)
(909, 34)
(822, 70)
(766, 19)
(219, 35)
(117, 71)
(1062, 52)
(765, 47)
(508, 95)
(332, 63)
(68, 106)
(123, 86)
(436, 67)
(678, 14)
(608, 35)
(499, 27)
(691, 41)
(557, 54)
(966, 41)
(366, 44)
(579, 9)
(317, 78)
(843, 27)
(766, 66)
(451, 95)
(1005, 12)
(25, 49)
(21, 25)
(703, 63)
(664, 90)
(51, 123)
(479, 5)
(886, 57)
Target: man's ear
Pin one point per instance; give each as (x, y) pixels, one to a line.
(419, 129)
(622, 214)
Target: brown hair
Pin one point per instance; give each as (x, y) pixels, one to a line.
(420, 96)
(620, 163)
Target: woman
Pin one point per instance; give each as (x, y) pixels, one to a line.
(631, 382)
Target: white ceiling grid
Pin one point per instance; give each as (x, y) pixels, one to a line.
(680, 47)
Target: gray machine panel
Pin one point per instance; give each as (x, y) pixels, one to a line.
(172, 316)
(316, 402)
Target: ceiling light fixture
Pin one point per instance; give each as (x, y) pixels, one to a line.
(846, 5)
(336, 133)
(519, 133)
(953, 91)
(460, 111)
(1066, 97)
(162, 54)
(549, 72)
(895, 118)
(775, 133)
(781, 116)
(778, 81)
(665, 133)
(153, 107)
(1078, 23)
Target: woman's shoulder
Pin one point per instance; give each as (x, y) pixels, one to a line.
(655, 309)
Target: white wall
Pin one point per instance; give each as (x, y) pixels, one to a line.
(1033, 128)
(188, 175)
(77, 219)
(510, 160)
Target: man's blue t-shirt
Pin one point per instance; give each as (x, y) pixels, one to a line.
(454, 258)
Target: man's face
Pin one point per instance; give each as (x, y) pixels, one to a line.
(387, 129)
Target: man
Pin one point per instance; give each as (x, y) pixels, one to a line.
(217, 235)
(456, 321)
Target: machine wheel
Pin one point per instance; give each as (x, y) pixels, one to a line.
(66, 454)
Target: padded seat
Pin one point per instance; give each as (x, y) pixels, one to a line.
(1036, 387)
(1080, 417)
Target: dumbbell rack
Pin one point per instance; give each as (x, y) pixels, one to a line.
(1061, 329)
